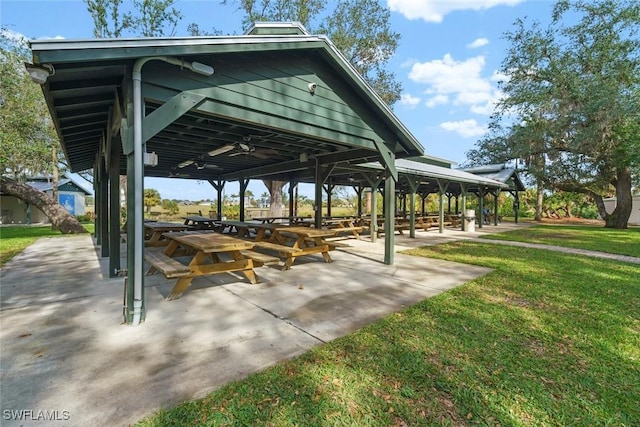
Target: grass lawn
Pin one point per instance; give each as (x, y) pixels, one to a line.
(622, 242)
(545, 339)
(15, 239)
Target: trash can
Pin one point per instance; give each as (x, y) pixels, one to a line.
(470, 221)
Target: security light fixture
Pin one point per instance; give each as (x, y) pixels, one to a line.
(200, 68)
(40, 73)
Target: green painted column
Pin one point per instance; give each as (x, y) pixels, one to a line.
(114, 208)
(103, 188)
(496, 199)
(480, 207)
(374, 214)
(389, 217)
(463, 192)
(243, 189)
(442, 189)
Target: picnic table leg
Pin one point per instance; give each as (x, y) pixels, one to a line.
(248, 272)
(183, 282)
(178, 289)
(288, 262)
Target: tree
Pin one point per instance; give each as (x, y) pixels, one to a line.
(27, 137)
(571, 108)
(151, 198)
(157, 17)
(108, 20)
(26, 130)
(360, 29)
(59, 216)
(170, 206)
(149, 18)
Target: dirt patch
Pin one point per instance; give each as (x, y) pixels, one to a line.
(572, 221)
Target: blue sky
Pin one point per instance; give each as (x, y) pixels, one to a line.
(448, 61)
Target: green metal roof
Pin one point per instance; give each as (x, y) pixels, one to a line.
(500, 173)
(422, 172)
(257, 105)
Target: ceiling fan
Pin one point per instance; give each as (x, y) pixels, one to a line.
(237, 147)
(247, 149)
(175, 174)
(199, 163)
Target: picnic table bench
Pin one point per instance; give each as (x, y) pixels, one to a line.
(342, 225)
(306, 241)
(169, 267)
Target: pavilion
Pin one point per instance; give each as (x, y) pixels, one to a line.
(274, 103)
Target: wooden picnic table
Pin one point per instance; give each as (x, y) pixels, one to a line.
(344, 224)
(271, 219)
(156, 230)
(205, 250)
(292, 242)
(264, 230)
(242, 228)
(400, 225)
(198, 222)
(291, 220)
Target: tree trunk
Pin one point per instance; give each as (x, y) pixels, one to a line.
(275, 191)
(60, 218)
(539, 200)
(619, 218)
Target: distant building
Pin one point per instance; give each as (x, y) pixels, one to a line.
(611, 202)
(71, 195)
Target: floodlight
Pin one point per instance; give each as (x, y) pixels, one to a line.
(39, 73)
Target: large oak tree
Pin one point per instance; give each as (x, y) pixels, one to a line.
(571, 106)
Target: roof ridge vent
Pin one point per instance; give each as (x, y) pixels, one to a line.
(277, 29)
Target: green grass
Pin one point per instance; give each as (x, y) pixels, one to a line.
(546, 339)
(621, 242)
(15, 239)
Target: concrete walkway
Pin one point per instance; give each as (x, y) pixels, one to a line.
(584, 252)
(64, 351)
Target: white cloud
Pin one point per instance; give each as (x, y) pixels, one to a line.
(435, 10)
(458, 82)
(21, 38)
(409, 100)
(447, 75)
(437, 100)
(478, 43)
(464, 128)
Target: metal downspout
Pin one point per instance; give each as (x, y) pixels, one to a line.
(138, 170)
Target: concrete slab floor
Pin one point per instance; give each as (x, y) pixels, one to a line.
(63, 349)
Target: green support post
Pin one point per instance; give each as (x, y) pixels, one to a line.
(389, 216)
